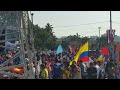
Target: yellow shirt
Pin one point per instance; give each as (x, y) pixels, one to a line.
(66, 74)
(44, 74)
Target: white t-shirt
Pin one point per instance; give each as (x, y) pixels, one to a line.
(85, 68)
(90, 60)
(33, 69)
(98, 70)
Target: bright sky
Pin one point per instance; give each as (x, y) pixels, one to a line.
(78, 22)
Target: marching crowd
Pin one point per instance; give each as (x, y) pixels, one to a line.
(57, 67)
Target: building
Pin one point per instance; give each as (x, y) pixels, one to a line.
(8, 26)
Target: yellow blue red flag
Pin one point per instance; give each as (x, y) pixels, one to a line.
(82, 54)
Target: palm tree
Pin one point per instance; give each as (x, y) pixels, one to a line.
(49, 28)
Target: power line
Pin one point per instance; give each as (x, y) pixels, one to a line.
(69, 29)
(80, 24)
(93, 31)
(116, 22)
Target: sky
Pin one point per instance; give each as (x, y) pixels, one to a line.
(85, 23)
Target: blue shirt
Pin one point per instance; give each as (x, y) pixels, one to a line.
(57, 70)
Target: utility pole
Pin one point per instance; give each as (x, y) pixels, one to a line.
(33, 47)
(99, 36)
(110, 21)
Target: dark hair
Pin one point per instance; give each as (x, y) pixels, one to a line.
(99, 62)
(91, 64)
(67, 64)
(56, 61)
(42, 65)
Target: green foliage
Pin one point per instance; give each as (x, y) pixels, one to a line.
(44, 37)
(73, 40)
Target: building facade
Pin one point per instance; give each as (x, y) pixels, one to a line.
(8, 26)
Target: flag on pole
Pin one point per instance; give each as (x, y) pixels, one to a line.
(112, 32)
(104, 51)
(117, 47)
(100, 59)
(82, 53)
(59, 49)
(72, 49)
(115, 52)
(118, 57)
(110, 35)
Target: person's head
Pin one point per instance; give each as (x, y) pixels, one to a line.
(42, 66)
(56, 61)
(91, 64)
(99, 63)
(74, 63)
(45, 63)
(111, 60)
(66, 64)
(59, 61)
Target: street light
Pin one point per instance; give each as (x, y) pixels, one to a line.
(99, 36)
(33, 47)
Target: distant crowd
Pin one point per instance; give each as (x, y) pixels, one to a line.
(57, 67)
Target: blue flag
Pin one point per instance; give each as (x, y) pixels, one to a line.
(59, 49)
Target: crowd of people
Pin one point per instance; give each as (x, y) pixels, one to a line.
(58, 67)
(6, 55)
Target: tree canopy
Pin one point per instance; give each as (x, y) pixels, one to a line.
(44, 38)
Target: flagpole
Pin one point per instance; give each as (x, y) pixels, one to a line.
(110, 21)
(110, 29)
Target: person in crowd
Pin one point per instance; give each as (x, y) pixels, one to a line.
(110, 69)
(73, 70)
(66, 71)
(78, 72)
(97, 66)
(83, 70)
(44, 72)
(92, 72)
(38, 56)
(57, 70)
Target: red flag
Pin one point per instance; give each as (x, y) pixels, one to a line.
(104, 51)
(117, 47)
(72, 50)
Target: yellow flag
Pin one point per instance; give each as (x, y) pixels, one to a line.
(82, 49)
(100, 58)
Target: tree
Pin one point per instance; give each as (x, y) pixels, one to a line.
(49, 28)
(44, 37)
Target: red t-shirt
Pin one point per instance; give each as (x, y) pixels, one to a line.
(51, 63)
